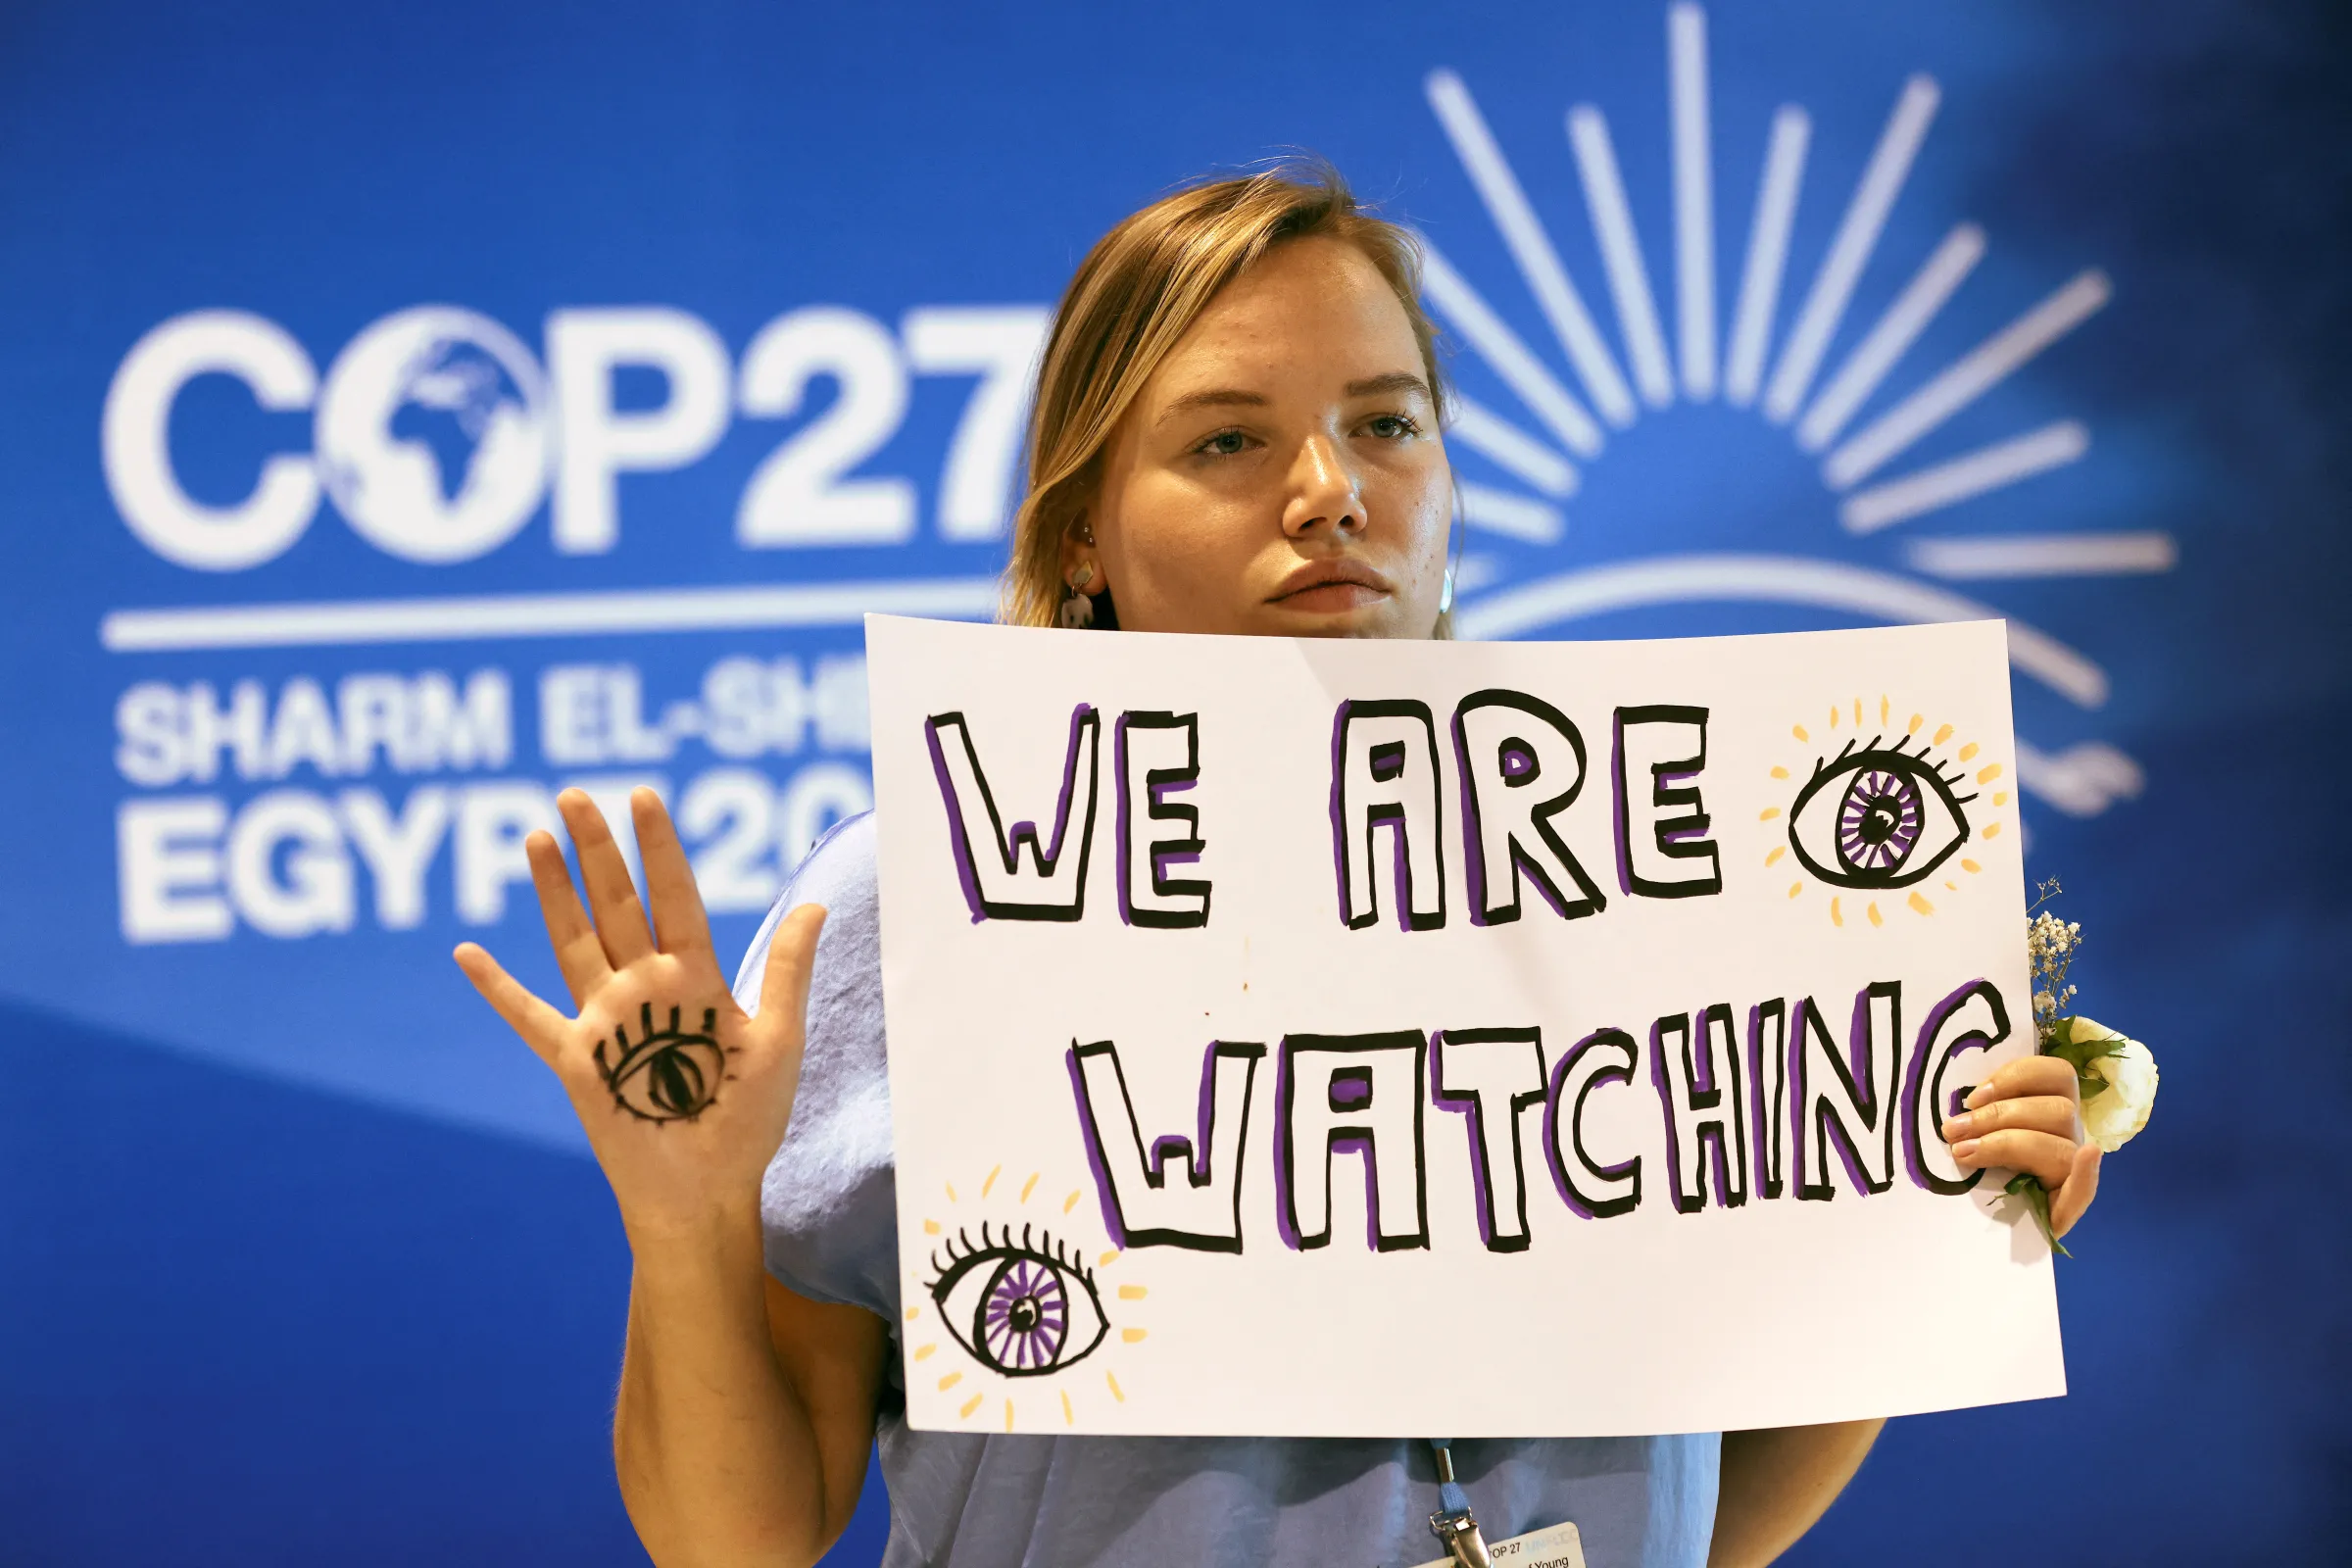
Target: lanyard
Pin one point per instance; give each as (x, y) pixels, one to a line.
(1453, 1523)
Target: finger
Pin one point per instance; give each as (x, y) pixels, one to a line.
(2028, 1075)
(611, 896)
(679, 924)
(784, 983)
(541, 1026)
(579, 953)
(2042, 1156)
(2082, 1185)
(2040, 1113)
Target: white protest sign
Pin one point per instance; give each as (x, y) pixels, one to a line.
(1376, 1038)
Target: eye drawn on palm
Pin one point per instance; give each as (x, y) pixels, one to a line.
(683, 1095)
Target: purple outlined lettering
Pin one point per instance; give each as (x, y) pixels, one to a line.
(1359, 1094)
(1505, 742)
(1591, 1189)
(1490, 1076)
(1164, 750)
(1384, 776)
(1846, 1101)
(1699, 1081)
(1768, 1089)
(1001, 884)
(1661, 855)
(1141, 1207)
(1975, 1018)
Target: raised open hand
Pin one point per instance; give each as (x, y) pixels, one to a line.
(684, 1096)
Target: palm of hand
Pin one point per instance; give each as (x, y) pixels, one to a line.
(683, 1095)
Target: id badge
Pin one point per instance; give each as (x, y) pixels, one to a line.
(1555, 1547)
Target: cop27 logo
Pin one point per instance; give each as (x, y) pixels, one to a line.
(437, 433)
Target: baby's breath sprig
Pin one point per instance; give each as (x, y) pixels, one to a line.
(2050, 946)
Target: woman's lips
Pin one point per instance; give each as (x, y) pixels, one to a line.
(1327, 586)
(1331, 597)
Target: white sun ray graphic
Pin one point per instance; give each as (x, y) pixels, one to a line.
(1860, 413)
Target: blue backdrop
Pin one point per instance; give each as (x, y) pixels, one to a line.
(409, 410)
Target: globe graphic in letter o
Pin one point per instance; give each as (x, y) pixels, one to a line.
(433, 434)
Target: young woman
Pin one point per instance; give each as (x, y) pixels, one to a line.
(1237, 429)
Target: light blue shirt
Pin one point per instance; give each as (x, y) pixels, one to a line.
(977, 1500)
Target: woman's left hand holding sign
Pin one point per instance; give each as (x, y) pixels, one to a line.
(2028, 1116)
(684, 1096)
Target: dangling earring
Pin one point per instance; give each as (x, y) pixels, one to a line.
(1078, 609)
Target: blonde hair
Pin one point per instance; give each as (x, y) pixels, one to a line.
(1137, 293)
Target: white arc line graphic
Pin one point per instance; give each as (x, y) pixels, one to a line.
(1517, 517)
(1694, 196)
(1876, 354)
(1969, 378)
(2004, 463)
(1769, 580)
(355, 622)
(2083, 780)
(1849, 252)
(1530, 246)
(1621, 254)
(2043, 555)
(1767, 254)
(1504, 444)
(1508, 357)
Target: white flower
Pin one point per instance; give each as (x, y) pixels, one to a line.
(2114, 1114)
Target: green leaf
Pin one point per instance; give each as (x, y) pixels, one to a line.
(2038, 1199)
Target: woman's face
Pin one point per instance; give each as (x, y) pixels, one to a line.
(1281, 473)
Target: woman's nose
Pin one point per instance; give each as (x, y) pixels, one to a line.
(1323, 492)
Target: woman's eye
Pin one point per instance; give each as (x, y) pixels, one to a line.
(1391, 426)
(1224, 444)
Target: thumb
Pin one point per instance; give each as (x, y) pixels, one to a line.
(784, 983)
(2075, 1194)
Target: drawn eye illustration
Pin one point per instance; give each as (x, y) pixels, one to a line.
(666, 1074)
(1877, 817)
(1020, 1309)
